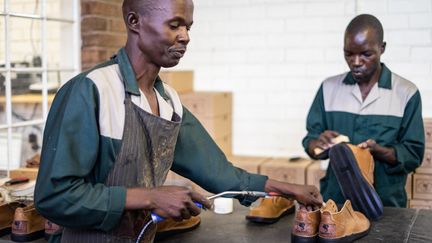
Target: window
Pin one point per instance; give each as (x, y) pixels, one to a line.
(39, 50)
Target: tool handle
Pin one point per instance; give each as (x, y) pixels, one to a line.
(156, 218)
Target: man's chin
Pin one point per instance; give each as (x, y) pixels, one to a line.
(170, 64)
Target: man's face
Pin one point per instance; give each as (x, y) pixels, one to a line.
(163, 35)
(362, 52)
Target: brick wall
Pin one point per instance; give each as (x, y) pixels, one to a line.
(102, 30)
(273, 54)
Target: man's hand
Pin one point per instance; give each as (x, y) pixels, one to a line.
(385, 154)
(167, 201)
(324, 141)
(306, 195)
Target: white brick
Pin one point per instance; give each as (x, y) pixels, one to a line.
(422, 54)
(409, 6)
(420, 20)
(265, 56)
(249, 70)
(287, 10)
(205, 14)
(232, 56)
(324, 8)
(287, 70)
(230, 3)
(334, 54)
(286, 40)
(399, 53)
(306, 54)
(409, 37)
(248, 12)
(372, 6)
(247, 41)
(394, 22)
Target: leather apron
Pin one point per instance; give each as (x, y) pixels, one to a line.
(144, 160)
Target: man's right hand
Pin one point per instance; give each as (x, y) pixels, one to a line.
(174, 202)
(323, 142)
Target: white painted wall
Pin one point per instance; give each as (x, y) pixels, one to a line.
(273, 54)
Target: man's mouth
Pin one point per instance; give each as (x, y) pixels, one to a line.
(178, 52)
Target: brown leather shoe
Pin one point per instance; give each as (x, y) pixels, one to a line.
(7, 211)
(27, 225)
(354, 170)
(270, 210)
(50, 229)
(345, 225)
(169, 227)
(305, 229)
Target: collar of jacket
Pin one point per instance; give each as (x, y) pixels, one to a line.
(131, 84)
(383, 82)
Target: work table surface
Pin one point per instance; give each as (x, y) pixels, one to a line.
(396, 225)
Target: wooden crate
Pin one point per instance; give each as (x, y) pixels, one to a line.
(422, 186)
(426, 166)
(314, 173)
(181, 81)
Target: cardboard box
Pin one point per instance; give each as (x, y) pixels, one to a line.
(218, 126)
(208, 104)
(428, 132)
(424, 204)
(181, 81)
(30, 173)
(422, 186)
(249, 163)
(178, 180)
(314, 173)
(225, 144)
(283, 169)
(409, 185)
(426, 166)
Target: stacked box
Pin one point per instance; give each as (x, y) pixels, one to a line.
(314, 174)
(214, 111)
(181, 81)
(422, 178)
(30, 173)
(282, 169)
(249, 163)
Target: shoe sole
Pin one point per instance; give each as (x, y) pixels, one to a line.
(354, 187)
(164, 234)
(5, 231)
(263, 220)
(27, 237)
(304, 239)
(346, 239)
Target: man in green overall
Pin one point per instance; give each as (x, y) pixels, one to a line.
(376, 108)
(114, 132)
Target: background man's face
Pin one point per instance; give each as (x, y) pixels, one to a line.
(163, 36)
(362, 53)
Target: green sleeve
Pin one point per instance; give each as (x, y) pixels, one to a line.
(66, 192)
(410, 144)
(198, 158)
(315, 122)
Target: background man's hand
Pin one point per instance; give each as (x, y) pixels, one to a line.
(167, 201)
(381, 153)
(304, 194)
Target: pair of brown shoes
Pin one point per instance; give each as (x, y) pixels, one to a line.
(24, 223)
(270, 210)
(329, 224)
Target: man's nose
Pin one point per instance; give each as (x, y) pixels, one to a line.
(183, 35)
(357, 61)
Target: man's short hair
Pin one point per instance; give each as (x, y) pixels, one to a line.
(363, 22)
(142, 7)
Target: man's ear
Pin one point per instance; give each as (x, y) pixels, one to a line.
(383, 47)
(132, 21)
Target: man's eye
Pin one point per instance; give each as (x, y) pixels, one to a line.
(174, 25)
